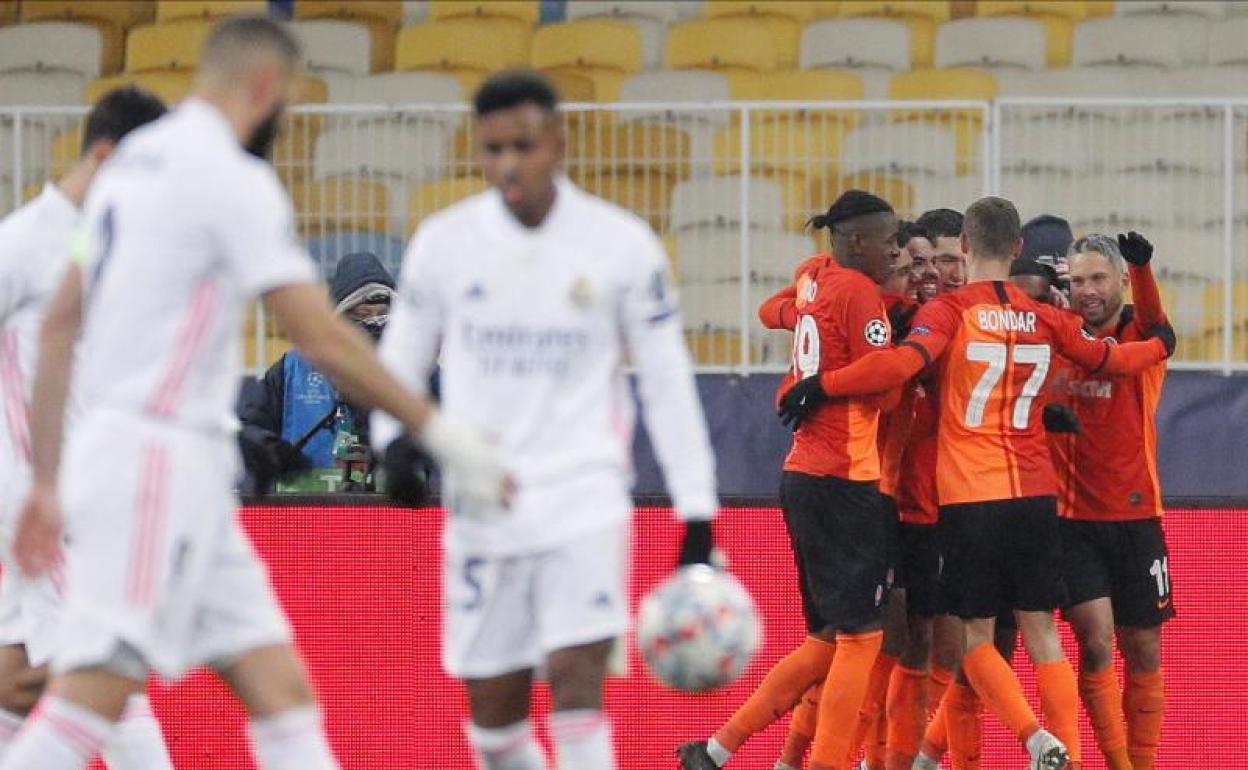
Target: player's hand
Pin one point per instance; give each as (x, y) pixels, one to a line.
(1057, 298)
(802, 399)
(482, 486)
(1165, 333)
(899, 317)
(407, 482)
(40, 527)
(1059, 418)
(698, 543)
(1135, 248)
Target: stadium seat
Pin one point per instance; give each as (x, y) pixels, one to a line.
(601, 50)
(526, 11)
(854, 43)
(649, 17)
(341, 204)
(1116, 40)
(327, 249)
(720, 44)
(1095, 8)
(1226, 42)
(782, 19)
(716, 201)
(632, 144)
(992, 43)
(393, 150)
(675, 87)
(1213, 10)
(8, 12)
(382, 17)
(1047, 145)
(950, 84)
(169, 10)
(112, 19)
(573, 86)
(52, 45)
(896, 191)
(900, 149)
(645, 192)
(174, 45)
(713, 255)
(53, 88)
(393, 88)
(428, 197)
(65, 149)
(1225, 81)
(331, 46)
(954, 192)
(415, 11)
(1059, 16)
(468, 48)
(921, 16)
(172, 86)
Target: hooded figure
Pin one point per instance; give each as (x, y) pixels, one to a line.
(292, 418)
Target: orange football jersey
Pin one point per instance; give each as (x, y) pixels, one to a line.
(916, 492)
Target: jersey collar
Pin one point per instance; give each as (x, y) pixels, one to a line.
(564, 191)
(211, 120)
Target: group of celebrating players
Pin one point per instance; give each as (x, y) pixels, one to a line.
(982, 443)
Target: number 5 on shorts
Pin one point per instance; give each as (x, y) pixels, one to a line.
(996, 355)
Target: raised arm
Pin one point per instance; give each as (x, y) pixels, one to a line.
(1138, 253)
(1103, 356)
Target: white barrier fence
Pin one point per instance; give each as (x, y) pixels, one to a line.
(729, 187)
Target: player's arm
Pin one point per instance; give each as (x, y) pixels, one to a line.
(883, 370)
(1100, 356)
(671, 408)
(1138, 253)
(779, 311)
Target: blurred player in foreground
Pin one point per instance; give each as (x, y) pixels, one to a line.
(34, 254)
(832, 506)
(183, 227)
(993, 347)
(531, 296)
(1115, 558)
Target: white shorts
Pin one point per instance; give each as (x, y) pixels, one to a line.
(155, 556)
(29, 607)
(508, 613)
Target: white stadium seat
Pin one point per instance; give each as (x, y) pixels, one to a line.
(992, 43)
(879, 43)
(713, 253)
(334, 46)
(1044, 145)
(52, 45)
(716, 202)
(51, 88)
(390, 150)
(715, 306)
(1227, 42)
(900, 148)
(954, 192)
(1129, 40)
(1208, 81)
(409, 88)
(1208, 9)
(1102, 80)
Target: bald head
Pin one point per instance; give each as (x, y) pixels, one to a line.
(238, 46)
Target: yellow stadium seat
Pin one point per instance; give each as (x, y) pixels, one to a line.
(949, 84)
(895, 190)
(168, 10)
(527, 11)
(341, 204)
(120, 14)
(1095, 8)
(782, 19)
(170, 85)
(1059, 17)
(471, 47)
(646, 193)
(572, 85)
(429, 197)
(601, 50)
(720, 44)
(174, 45)
(922, 16)
(8, 11)
(826, 9)
(382, 17)
(631, 145)
(66, 149)
(714, 348)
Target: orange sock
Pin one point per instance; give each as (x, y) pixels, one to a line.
(998, 687)
(872, 712)
(843, 694)
(907, 715)
(1144, 701)
(802, 728)
(962, 719)
(779, 691)
(937, 682)
(877, 751)
(936, 738)
(1059, 700)
(1103, 701)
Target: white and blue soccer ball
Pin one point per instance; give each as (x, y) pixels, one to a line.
(699, 629)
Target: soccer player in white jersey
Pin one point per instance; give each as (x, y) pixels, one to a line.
(181, 229)
(34, 252)
(531, 295)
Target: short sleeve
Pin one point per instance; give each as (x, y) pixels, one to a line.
(934, 325)
(258, 237)
(866, 323)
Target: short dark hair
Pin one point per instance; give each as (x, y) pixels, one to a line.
(239, 33)
(940, 223)
(512, 89)
(908, 230)
(993, 228)
(119, 112)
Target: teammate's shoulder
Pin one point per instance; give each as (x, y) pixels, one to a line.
(600, 212)
(811, 265)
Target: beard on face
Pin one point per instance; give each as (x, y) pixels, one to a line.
(260, 143)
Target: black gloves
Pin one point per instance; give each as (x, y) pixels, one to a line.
(802, 399)
(1165, 333)
(899, 317)
(266, 457)
(697, 545)
(1059, 418)
(1135, 248)
(407, 477)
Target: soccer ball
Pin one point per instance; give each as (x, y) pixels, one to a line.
(698, 630)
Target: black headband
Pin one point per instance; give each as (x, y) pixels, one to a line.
(851, 205)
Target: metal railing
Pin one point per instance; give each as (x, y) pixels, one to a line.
(730, 185)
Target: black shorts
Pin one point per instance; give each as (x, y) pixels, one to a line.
(1002, 554)
(920, 568)
(839, 533)
(1126, 561)
(892, 541)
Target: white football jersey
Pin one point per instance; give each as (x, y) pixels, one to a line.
(532, 329)
(34, 251)
(182, 228)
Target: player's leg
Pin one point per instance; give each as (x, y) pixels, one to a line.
(871, 734)
(801, 730)
(137, 742)
(580, 729)
(20, 688)
(910, 685)
(1142, 602)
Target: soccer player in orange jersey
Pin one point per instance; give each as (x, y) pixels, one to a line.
(1115, 559)
(993, 349)
(836, 519)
